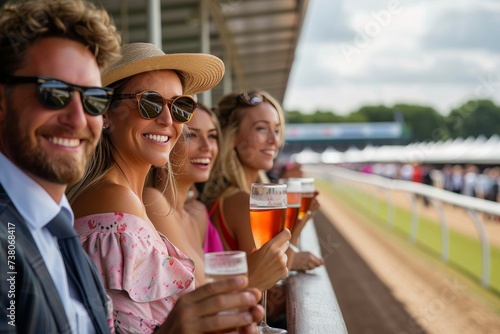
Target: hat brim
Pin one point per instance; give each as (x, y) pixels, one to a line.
(201, 72)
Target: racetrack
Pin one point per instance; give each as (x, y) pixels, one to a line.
(386, 286)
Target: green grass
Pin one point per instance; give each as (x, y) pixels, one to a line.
(465, 254)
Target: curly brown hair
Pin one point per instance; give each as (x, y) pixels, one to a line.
(22, 23)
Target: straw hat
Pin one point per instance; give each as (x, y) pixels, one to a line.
(201, 71)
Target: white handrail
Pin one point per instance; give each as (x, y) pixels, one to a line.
(470, 204)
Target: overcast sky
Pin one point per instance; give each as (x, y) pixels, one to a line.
(439, 53)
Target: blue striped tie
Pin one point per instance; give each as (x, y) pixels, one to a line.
(79, 271)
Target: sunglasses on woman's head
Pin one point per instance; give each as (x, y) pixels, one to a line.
(245, 99)
(250, 98)
(151, 105)
(56, 94)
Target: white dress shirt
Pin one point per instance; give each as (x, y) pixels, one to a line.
(37, 207)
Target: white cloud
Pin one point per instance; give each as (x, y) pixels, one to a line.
(474, 29)
(326, 22)
(421, 69)
(435, 53)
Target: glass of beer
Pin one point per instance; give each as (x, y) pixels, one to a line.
(294, 197)
(307, 192)
(268, 203)
(222, 265)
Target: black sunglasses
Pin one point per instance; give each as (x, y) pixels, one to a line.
(151, 105)
(56, 94)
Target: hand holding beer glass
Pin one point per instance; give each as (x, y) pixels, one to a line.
(268, 204)
(224, 265)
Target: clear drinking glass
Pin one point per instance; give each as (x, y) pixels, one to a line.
(222, 265)
(307, 192)
(294, 198)
(267, 218)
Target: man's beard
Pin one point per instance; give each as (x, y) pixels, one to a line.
(55, 167)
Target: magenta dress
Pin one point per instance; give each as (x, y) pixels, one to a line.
(213, 242)
(143, 273)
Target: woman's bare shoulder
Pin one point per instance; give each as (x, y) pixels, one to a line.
(108, 197)
(235, 205)
(237, 199)
(155, 202)
(196, 209)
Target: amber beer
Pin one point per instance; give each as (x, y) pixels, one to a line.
(266, 223)
(307, 192)
(268, 203)
(292, 214)
(305, 204)
(292, 209)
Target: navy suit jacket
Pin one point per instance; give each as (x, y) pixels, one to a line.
(29, 301)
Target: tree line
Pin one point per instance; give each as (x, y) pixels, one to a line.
(422, 123)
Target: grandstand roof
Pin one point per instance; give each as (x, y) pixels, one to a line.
(256, 39)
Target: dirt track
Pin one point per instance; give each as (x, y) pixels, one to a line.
(384, 287)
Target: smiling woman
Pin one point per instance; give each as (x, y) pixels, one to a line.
(252, 131)
(253, 127)
(176, 212)
(143, 272)
(110, 217)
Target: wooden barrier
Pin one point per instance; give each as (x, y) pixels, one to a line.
(311, 304)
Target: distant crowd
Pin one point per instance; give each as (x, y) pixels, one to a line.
(469, 179)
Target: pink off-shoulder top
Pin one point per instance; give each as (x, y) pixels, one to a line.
(143, 273)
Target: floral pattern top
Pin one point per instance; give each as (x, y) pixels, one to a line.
(143, 273)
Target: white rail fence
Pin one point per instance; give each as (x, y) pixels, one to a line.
(436, 196)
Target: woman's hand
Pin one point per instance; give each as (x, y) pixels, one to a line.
(198, 311)
(267, 265)
(303, 261)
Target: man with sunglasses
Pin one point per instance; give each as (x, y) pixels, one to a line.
(51, 102)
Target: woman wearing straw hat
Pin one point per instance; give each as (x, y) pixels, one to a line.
(143, 273)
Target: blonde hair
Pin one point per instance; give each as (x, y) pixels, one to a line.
(23, 23)
(230, 175)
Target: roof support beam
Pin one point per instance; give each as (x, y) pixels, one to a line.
(229, 44)
(205, 42)
(154, 22)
